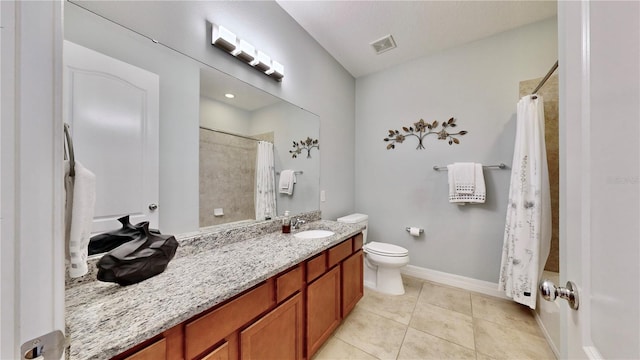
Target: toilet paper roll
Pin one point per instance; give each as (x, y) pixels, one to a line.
(414, 231)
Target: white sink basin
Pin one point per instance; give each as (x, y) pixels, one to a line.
(313, 234)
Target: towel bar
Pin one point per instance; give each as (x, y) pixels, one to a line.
(499, 166)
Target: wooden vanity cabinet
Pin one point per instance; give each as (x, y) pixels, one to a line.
(289, 316)
(333, 295)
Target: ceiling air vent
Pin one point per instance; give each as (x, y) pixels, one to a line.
(385, 44)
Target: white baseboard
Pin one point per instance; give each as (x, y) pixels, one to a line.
(463, 282)
(547, 336)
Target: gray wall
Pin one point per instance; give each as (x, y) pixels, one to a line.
(478, 85)
(220, 116)
(314, 80)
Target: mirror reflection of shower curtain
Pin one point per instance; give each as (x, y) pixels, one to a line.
(265, 195)
(527, 236)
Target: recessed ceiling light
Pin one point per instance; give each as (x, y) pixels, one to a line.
(229, 96)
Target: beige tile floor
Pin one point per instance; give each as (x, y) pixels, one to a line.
(432, 321)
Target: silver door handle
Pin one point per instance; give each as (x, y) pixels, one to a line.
(550, 292)
(153, 207)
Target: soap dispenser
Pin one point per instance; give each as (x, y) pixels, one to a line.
(286, 223)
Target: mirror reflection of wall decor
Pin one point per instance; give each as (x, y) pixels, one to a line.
(197, 165)
(304, 145)
(421, 129)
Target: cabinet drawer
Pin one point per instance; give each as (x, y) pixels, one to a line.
(155, 351)
(340, 252)
(213, 327)
(288, 283)
(316, 266)
(357, 242)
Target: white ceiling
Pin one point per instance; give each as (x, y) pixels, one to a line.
(215, 84)
(346, 28)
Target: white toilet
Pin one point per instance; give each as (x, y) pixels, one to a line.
(382, 261)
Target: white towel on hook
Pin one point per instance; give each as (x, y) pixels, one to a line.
(287, 180)
(479, 193)
(80, 200)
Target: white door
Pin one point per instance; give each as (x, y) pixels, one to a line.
(600, 127)
(112, 109)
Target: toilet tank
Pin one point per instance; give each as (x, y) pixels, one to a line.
(361, 219)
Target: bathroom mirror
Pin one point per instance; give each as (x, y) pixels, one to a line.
(207, 142)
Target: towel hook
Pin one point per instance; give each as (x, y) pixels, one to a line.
(72, 158)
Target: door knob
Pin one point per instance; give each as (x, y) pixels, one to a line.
(153, 207)
(550, 292)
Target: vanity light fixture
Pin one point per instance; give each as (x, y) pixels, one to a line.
(245, 51)
(262, 62)
(276, 71)
(224, 39)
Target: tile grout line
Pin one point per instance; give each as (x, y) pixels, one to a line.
(473, 327)
(415, 305)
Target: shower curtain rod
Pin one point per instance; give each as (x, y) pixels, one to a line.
(232, 134)
(546, 77)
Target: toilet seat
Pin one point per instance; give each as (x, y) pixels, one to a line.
(384, 249)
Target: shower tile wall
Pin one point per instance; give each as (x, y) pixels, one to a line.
(549, 93)
(227, 176)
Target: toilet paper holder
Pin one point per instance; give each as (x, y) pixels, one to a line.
(409, 230)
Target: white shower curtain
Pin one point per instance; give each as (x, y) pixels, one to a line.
(527, 235)
(265, 195)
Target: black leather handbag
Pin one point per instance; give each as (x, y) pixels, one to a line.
(139, 259)
(104, 242)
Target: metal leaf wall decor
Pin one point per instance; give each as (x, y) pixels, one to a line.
(304, 145)
(421, 129)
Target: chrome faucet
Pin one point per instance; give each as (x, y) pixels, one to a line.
(296, 222)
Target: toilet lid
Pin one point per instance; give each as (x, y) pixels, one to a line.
(385, 249)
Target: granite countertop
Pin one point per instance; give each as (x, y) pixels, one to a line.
(104, 319)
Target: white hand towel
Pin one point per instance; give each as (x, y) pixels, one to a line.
(464, 175)
(479, 194)
(287, 180)
(79, 208)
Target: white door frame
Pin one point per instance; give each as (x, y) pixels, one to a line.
(571, 184)
(31, 195)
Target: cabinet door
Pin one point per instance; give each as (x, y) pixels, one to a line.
(277, 335)
(352, 282)
(323, 309)
(155, 351)
(219, 353)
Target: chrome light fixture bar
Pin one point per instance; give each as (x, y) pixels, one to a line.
(224, 39)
